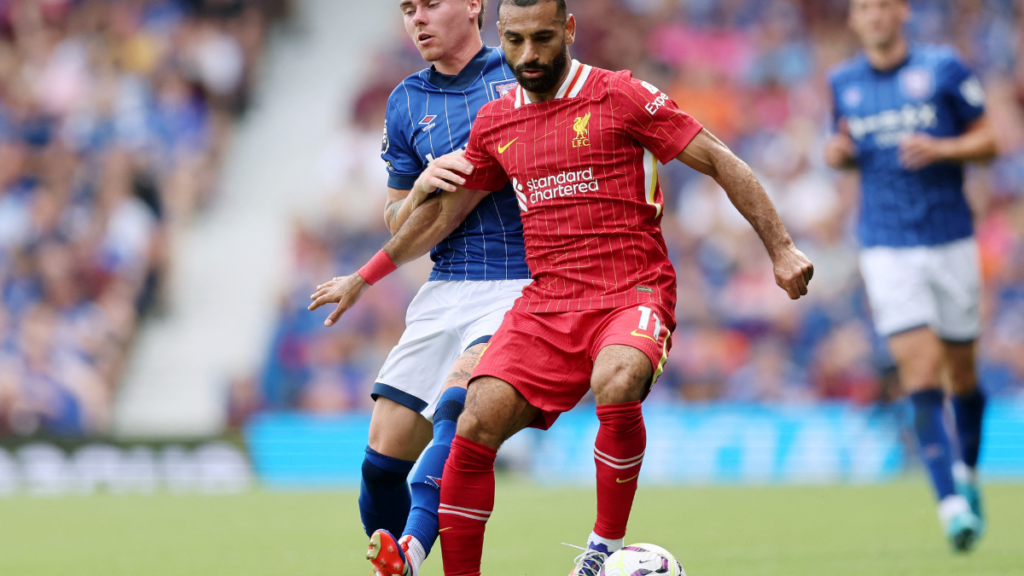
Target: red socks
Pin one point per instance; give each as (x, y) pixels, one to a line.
(618, 452)
(467, 498)
(467, 486)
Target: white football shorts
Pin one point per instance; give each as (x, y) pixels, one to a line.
(935, 286)
(443, 321)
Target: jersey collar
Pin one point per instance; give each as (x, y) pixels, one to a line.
(578, 74)
(469, 74)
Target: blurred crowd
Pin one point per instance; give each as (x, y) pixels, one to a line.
(754, 72)
(114, 117)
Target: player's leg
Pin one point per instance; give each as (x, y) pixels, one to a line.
(918, 354)
(969, 411)
(622, 376)
(494, 412)
(397, 437)
(957, 282)
(408, 383)
(905, 307)
(632, 348)
(483, 308)
(422, 528)
(919, 360)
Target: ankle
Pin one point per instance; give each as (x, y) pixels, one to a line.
(611, 544)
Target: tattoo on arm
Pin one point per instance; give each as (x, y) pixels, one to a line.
(393, 206)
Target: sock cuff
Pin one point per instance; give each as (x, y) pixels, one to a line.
(974, 397)
(451, 404)
(471, 456)
(927, 398)
(613, 411)
(387, 463)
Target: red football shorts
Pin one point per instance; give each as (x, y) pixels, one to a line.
(549, 358)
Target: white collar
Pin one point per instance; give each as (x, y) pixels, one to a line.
(570, 88)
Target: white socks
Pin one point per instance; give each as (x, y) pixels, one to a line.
(951, 506)
(415, 555)
(962, 473)
(612, 545)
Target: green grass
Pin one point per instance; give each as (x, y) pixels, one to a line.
(836, 531)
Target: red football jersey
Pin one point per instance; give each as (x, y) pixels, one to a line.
(585, 169)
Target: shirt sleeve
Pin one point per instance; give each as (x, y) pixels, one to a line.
(836, 112)
(397, 150)
(652, 117)
(963, 90)
(488, 174)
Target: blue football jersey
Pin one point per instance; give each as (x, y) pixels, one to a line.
(429, 115)
(931, 92)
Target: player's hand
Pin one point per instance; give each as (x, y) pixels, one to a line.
(446, 173)
(343, 291)
(793, 271)
(840, 150)
(919, 150)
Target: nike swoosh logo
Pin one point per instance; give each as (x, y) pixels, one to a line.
(443, 529)
(621, 481)
(635, 333)
(501, 149)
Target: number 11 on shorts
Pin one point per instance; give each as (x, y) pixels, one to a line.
(645, 321)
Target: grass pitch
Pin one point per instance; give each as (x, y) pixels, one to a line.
(836, 531)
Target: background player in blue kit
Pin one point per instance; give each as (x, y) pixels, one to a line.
(479, 271)
(907, 118)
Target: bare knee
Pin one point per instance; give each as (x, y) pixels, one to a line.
(918, 356)
(621, 374)
(494, 412)
(960, 366)
(398, 431)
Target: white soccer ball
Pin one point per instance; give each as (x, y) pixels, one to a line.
(641, 560)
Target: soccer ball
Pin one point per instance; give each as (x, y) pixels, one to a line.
(641, 560)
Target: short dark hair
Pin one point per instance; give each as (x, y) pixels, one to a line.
(563, 11)
(480, 18)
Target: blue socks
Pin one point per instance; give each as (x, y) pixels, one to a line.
(969, 410)
(933, 440)
(384, 495)
(426, 482)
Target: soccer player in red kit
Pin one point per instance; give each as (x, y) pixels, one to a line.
(581, 146)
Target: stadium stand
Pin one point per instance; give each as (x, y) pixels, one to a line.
(754, 73)
(114, 116)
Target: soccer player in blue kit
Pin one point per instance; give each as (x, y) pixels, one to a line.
(479, 271)
(908, 117)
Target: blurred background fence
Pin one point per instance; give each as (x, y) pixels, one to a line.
(118, 116)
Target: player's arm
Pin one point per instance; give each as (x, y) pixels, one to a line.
(397, 210)
(445, 173)
(964, 97)
(840, 149)
(429, 223)
(977, 144)
(708, 155)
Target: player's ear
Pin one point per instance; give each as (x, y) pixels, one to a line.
(570, 30)
(475, 8)
(906, 11)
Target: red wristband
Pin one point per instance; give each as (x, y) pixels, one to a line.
(377, 268)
